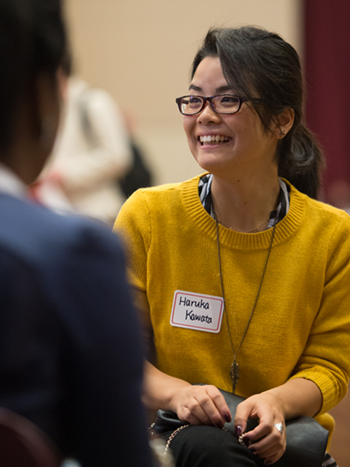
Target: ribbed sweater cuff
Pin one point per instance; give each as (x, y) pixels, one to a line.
(326, 386)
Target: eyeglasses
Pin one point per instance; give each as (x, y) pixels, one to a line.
(221, 104)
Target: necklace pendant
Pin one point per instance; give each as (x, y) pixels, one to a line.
(234, 372)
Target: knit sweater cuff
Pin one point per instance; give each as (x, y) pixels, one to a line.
(325, 385)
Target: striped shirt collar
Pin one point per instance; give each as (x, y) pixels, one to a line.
(204, 191)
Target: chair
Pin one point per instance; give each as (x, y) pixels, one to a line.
(22, 444)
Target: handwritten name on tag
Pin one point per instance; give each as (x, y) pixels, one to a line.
(197, 311)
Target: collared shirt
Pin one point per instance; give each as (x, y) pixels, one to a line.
(204, 191)
(10, 183)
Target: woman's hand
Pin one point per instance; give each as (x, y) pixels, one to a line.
(201, 405)
(198, 405)
(295, 398)
(266, 440)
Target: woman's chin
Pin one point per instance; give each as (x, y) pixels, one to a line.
(212, 162)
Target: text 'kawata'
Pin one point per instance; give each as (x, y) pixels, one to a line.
(199, 312)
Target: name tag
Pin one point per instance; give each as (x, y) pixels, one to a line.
(197, 311)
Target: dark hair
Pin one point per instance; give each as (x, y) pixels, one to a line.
(32, 41)
(258, 63)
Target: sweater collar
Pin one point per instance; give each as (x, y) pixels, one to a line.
(253, 241)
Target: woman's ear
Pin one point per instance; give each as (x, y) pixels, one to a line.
(283, 123)
(41, 123)
(34, 128)
(48, 105)
(62, 81)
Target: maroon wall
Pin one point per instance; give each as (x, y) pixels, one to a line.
(327, 74)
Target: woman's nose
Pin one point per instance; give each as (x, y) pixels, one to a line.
(207, 114)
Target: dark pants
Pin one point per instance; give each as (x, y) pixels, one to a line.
(207, 446)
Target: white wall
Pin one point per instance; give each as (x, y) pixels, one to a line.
(141, 51)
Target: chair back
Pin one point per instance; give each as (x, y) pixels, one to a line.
(22, 444)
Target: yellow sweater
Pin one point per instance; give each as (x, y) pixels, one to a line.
(301, 324)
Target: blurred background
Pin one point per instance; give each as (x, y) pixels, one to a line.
(141, 52)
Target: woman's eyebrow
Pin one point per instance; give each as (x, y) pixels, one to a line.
(223, 89)
(195, 88)
(219, 90)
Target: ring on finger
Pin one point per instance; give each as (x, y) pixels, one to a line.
(279, 427)
(244, 442)
(240, 440)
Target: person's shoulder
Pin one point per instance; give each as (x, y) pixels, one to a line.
(328, 210)
(161, 200)
(38, 233)
(320, 211)
(164, 191)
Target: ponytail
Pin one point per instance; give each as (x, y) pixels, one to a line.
(301, 161)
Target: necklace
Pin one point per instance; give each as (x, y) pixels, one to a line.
(256, 229)
(234, 371)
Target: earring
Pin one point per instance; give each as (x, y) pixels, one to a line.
(282, 133)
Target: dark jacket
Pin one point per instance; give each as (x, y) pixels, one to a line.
(70, 357)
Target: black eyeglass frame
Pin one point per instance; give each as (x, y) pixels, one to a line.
(209, 99)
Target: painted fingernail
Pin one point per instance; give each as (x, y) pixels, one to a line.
(228, 417)
(219, 425)
(252, 449)
(238, 430)
(247, 441)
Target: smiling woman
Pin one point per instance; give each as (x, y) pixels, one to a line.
(242, 237)
(231, 142)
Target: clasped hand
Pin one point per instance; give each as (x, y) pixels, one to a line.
(205, 405)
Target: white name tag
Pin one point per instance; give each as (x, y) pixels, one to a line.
(197, 311)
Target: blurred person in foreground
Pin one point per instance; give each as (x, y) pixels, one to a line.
(240, 274)
(70, 359)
